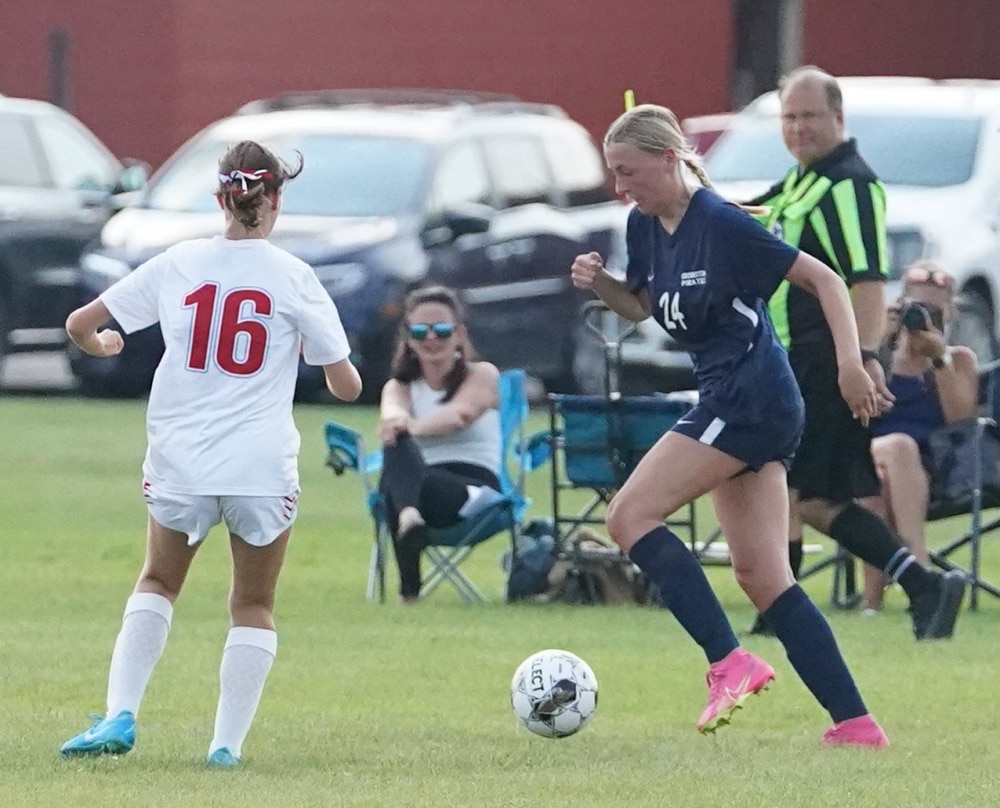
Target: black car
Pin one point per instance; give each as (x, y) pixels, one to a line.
(486, 194)
(57, 187)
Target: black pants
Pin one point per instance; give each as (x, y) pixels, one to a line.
(437, 491)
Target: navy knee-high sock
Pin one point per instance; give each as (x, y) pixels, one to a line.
(813, 652)
(685, 590)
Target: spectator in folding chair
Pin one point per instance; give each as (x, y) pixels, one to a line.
(934, 384)
(832, 206)
(705, 270)
(439, 428)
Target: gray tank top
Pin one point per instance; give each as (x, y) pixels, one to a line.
(478, 443)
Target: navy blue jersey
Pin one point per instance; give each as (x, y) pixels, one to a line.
(708, 285)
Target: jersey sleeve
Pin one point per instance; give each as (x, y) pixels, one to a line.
(637, 268)
(850, 223)
(133, 301)
(759, 259)
(323, 338)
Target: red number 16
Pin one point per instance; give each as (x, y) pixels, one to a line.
(224, 332)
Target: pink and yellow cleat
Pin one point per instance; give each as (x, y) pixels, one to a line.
(730, 682)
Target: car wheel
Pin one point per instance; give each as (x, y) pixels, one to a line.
(972, 327)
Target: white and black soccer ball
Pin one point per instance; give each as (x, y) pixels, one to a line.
(553, 693)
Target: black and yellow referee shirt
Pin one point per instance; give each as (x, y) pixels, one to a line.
(835, 211)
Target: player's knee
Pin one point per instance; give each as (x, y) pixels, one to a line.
(619, 521)
(157, 584)
(252, 609)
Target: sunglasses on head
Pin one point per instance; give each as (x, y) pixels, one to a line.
(933, 276)
(420, 331)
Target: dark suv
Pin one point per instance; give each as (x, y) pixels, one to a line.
(486, 194)
(56, 185)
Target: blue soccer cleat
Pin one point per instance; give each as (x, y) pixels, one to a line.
(222, 759)
(108, 736)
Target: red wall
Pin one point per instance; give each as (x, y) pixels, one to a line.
(121, 62)
(957, 39)
(147, 74)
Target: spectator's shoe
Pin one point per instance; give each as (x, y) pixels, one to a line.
(222, 759)
(861, 731)
(760, 628)
(730, 682)
(108, 736)
(934, 613)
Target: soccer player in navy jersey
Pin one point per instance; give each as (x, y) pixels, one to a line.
(705, 269)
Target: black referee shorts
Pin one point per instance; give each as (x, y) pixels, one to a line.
(834, 459)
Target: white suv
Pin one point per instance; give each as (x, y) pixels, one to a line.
(935, 145)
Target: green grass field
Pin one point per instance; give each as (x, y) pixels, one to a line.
(385, 705)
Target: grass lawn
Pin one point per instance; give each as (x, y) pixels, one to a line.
(385, 705)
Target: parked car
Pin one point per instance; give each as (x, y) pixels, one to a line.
(487, 194)
(935, 145)
(57, 188)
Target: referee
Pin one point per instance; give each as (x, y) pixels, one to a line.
(832, 206)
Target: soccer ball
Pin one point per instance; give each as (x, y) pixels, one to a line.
(553, 693)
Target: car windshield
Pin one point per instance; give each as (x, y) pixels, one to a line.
(927, 151)
(344, 175)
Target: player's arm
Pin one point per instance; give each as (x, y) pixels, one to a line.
(818, 279)
(588, 272)
(343, 379)
(82, 325)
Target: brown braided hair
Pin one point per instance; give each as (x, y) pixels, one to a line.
(248, 172)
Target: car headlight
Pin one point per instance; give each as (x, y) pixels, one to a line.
(340, 280)
(102, 271)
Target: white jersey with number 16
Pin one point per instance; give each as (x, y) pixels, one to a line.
(234, 315)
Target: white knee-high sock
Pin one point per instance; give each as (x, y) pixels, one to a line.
(140, 643)
(246, 662)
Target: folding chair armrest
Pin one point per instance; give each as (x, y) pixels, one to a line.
(536, 450)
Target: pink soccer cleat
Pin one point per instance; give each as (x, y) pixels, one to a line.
(730, 682)
(861, 731)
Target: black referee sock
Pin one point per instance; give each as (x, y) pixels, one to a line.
(684, 589)
(864, 535)
(795, 556)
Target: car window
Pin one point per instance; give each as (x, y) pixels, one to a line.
(460, 177)
(344, 175)
(19, 159)
(920, 150)
(577, 168)
(519, 169)
(76, 162)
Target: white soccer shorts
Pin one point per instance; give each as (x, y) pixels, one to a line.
(256, 520)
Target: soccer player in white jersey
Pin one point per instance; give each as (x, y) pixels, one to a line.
(235, 312)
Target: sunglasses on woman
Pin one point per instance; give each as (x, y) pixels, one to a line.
(420, 331)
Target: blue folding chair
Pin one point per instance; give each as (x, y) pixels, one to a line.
(595, 443)
(448, 547)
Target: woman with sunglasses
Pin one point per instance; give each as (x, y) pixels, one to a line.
(439, 428)
(705, 270)
(934, 384)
